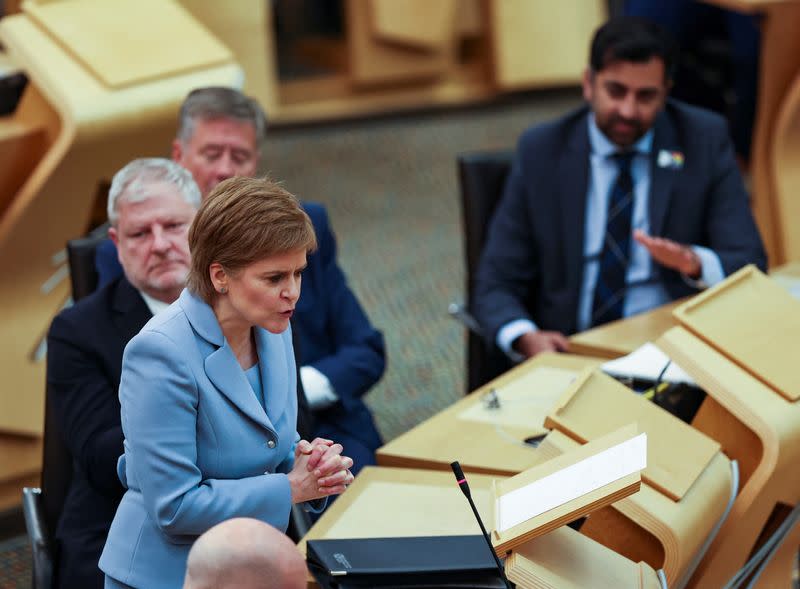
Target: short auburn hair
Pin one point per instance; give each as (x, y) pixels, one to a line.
(242, 221)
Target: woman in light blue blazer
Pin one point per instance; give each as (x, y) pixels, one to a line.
(208, 396)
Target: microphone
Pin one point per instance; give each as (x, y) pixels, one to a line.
(462, 483)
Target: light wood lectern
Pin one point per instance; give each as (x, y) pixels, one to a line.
(390, 502)
(738, 340)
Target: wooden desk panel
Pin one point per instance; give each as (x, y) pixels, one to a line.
(484, 446)
(748, 318)
(598, 405)
(392, 502)
(20, 462)
(622, 337)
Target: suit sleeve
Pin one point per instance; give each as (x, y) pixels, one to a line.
(732, 232)
(159, 399)
(85, 405)
(359, 356)
(507, 270)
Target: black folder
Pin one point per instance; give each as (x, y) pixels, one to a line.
(431, 561)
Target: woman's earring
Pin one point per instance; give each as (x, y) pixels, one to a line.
(223, 290)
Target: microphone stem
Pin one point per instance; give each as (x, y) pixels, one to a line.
(489, 543)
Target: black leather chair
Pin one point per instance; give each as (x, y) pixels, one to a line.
(80, 254)
(42, 507)
(482, 177)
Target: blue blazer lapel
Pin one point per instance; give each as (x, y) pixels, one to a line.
(662, 176)
(274, 373)
(221, 366)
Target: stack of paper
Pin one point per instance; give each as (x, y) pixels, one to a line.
(646, 363)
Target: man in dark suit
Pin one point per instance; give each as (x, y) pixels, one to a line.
(341, 354)
(628, 203)
(151, 205)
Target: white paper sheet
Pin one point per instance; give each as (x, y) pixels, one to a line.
(646, 363)
(572, 482)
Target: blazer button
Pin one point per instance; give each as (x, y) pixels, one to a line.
(271, 444)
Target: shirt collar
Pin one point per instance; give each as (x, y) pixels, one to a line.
(603, 147)
(154, 305)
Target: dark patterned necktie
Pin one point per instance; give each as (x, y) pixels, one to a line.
(609, 293)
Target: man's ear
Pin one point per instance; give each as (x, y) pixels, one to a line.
(114, 235)
(177, 150)
(587, 81)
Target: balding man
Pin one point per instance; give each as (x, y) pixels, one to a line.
(244, 553)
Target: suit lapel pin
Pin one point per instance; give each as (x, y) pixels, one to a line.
(670, 159)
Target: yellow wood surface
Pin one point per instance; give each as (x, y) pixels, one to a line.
(509, 539)
(755, 425)
(373, 61)
(779, 67)
(479, 445)
(537, 43)
(749, 317)
(392, 502)
(622, 337)
(90, 133)
(550, 562)
(785, 149)
(596, 405)
(126, 42)
(20, 462)
(246, 28)
(419, 24)
(649, 526)
(22, 143)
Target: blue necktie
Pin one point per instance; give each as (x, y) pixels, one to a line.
(609, 292)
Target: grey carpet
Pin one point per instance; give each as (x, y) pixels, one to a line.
(391, 190)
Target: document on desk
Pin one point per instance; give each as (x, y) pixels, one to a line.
(525, 401)
(646, 363)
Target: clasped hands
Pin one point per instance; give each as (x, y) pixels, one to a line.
(319, 470)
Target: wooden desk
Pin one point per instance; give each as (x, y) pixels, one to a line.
(622, 337)
(386, 502)
(478, 441)
(394, 502)
(77, 130)
(20, 463)
(751, 409)
(649, 526)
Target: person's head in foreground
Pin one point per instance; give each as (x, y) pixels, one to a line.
(151, 205)
(244, 553)
(249, 243)
(220, 131)
(628, 78)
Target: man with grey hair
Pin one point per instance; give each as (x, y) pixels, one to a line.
(220, 133)
(244, 553)
(151, 204)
